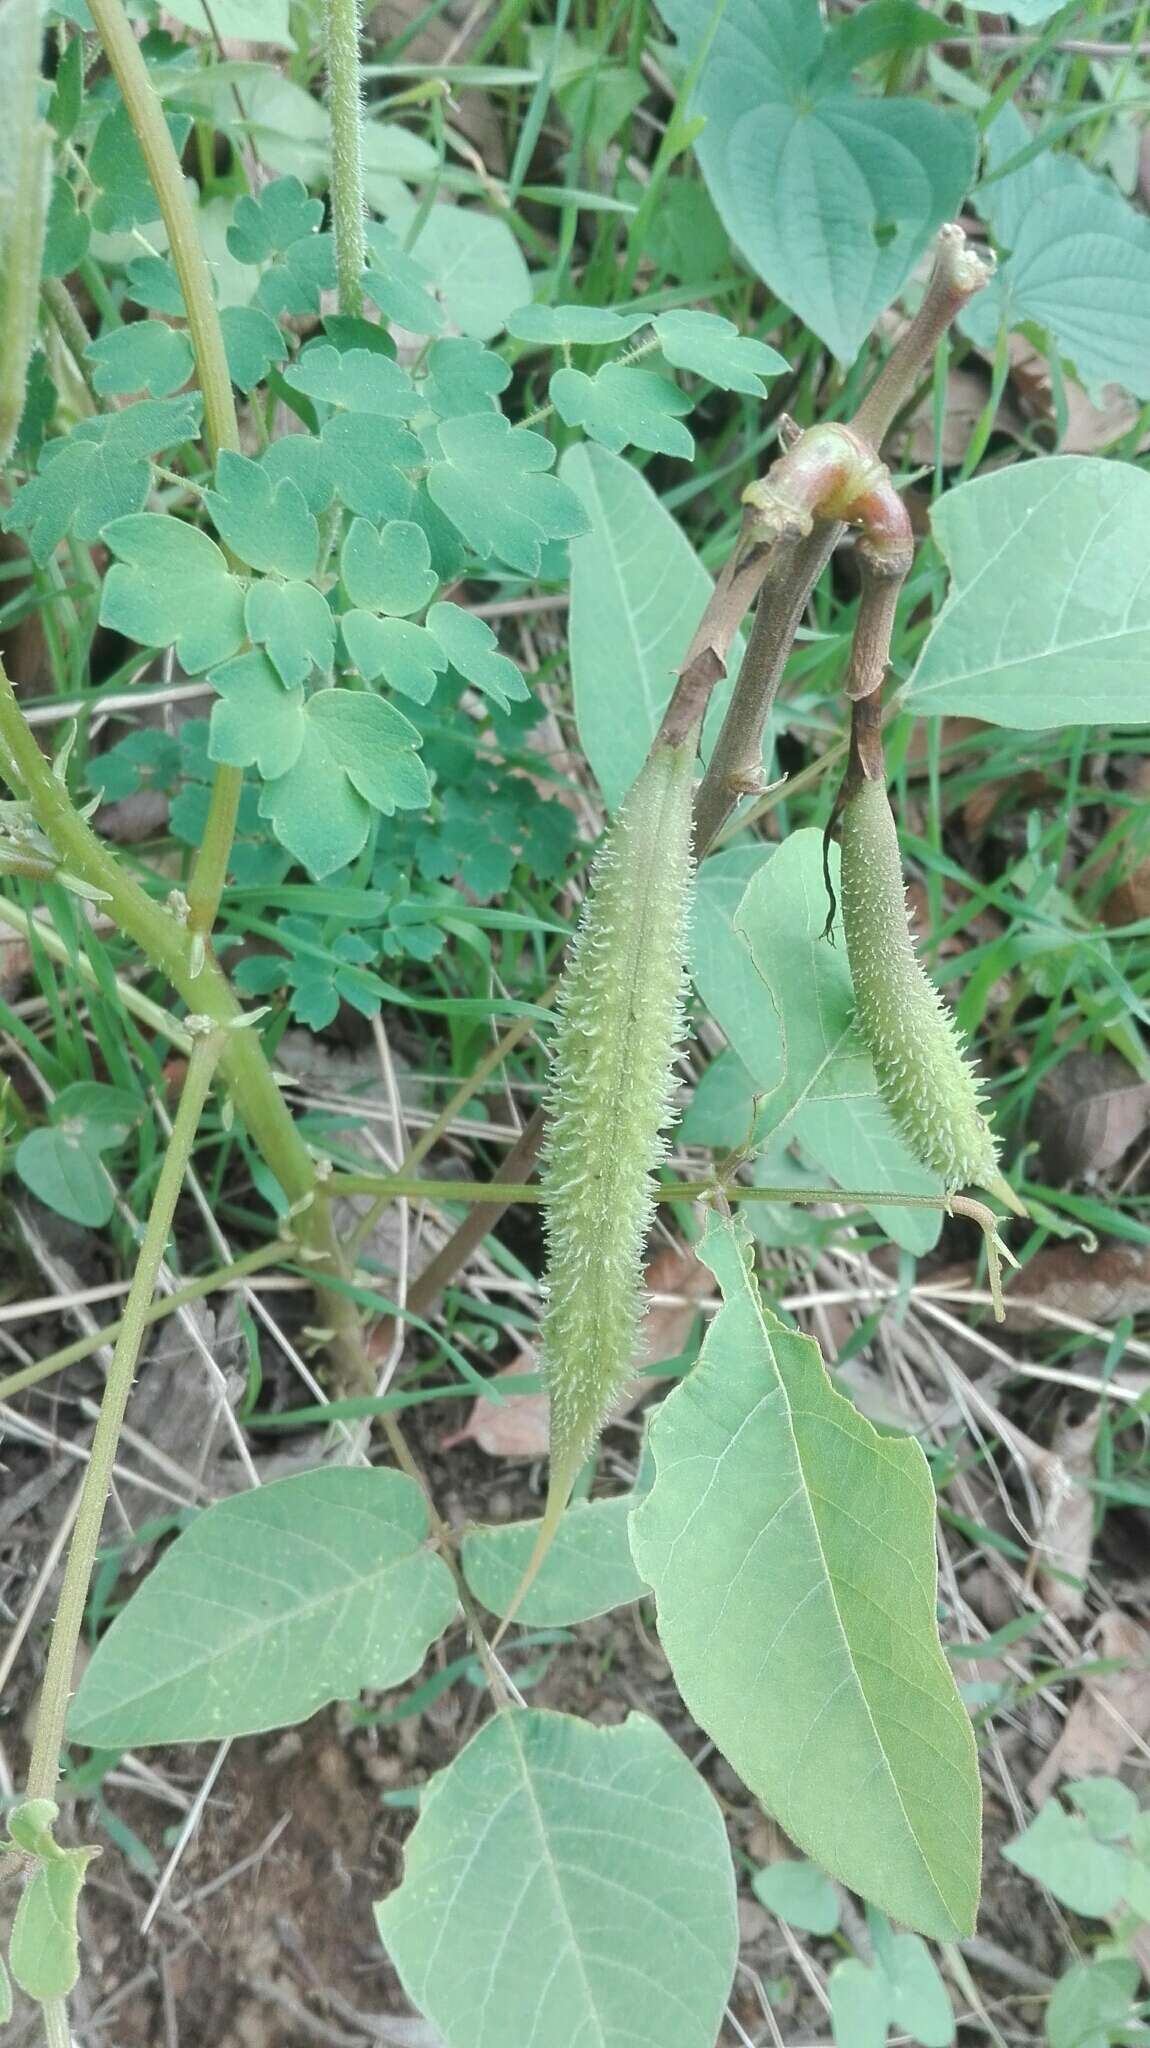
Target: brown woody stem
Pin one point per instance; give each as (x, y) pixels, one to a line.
(959, 272)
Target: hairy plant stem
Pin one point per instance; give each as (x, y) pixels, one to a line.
(345, 101)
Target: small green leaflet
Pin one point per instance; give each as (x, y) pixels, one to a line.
(115, 164)
(152, 282)
(294, 622)
(272, 1622)
(171, 586)
(831, 197)
(1092, 2002)
(252, 343)
(1048, 618)
(566, 1883)
(62, 1166)
(1062, 1851)
(549, 326)
(257, 723)
(266, 524)
(491, 482)
(619, 405)
(98, 472)
(355, 379)
(358, 756)
(475, 262)
(406, 656)
(265, 226)
(44, 1951)
(146, 356)
(714, 348)
(462, 377)
(472, 649)
(397, 283)
(821, 1534)
(67, 231)
(305, 460)
(799, 1893)
(364, 456)
(388, 570)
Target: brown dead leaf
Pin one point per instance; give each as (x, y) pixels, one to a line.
(966, 396)
(1089, 1111)
(1089, 427)
(1066, 1534)
(1111, 1714)
(518, 1427)
(1097, 1287)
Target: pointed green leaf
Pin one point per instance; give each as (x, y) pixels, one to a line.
(566, 1883)
(406, 656)
(266, 524)
(389, 570)
(62, 1166)
(619, 405)
(295, 623)
(355, 379)
(715, 349)
(471, 647)
(358, 756)
(1110, 1807)
(171, 586)
(44, 1951)
(148, 355)
(798, 1609)
(268, 1605)
(152, 282)
(258, 722)
(1048, 617)
(491, 483)
(67, 231)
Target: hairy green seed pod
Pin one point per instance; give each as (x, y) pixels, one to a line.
(621, 1017)
(923, 1075)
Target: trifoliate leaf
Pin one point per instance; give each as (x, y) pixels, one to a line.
(147, 356)
(282, 214)
(266, 524)
(305, 460)
(171, 586)
(398, 284)
(355, 379)
(252, 343)
(116, 165)
(257, 723)
(491, 482)
(471, 647)
(619, 405)
(152, 282)
(67, 231)
(358, 756)
(476, 263)
(364, 457)
(406, 656)
(98, 472)
(294, 622)
(551, 325)
(715, 349)
(388, 571)
(462, 377)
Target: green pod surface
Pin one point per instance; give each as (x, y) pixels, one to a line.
(620, 1007)
(923, 1075)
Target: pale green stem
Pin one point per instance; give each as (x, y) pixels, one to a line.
(345, 101)
(24, 208)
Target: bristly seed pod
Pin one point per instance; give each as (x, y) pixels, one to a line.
(923, 1075)
(621, 1017)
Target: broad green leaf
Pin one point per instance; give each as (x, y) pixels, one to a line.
(99, 472)
(860, 2005)
(171, 586)
(491, 481)
(295, 623)
(1048, 617)
(724, 972)
(832, 198)
(406, 656)
(715, 349)
(270, 1604)
(854, 1140)
(619, 405)
(472, 649)
(44, 1951)
(358, 756)
(62, 1166)
(389, 570)
(364, 457)
(258, 722)
(549, 326)
(358, 380)
(798, 1610)
(1060, 1850)
(587, 1571)
(398, 284)
(148, 355)
(800, 1893)
(463, 377)
(566, 1883)
(266, 524)
(476, 263)
(1090, 2002)
(252, 343)
(721, 1111)
(638, 591)
(1110, 1807)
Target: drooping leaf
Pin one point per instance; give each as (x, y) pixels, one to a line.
(257, 722)
(798, 1612)
(170, 586)
(566, 1883)
(358, 755)
(1048, 617)
(472, 649)
(406, 656)
(266, 524)
(148, 355)
(491, 480)
(268, 1605)
(388, 570)
(714, 348)
(99, 472)
(294, 622)
(620, 406)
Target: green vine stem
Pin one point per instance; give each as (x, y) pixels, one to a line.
(345, 101)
